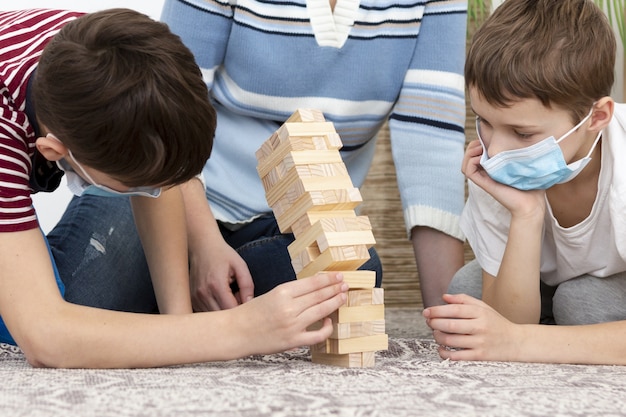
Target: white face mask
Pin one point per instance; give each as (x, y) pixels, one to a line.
(78, 186)
(535, 167)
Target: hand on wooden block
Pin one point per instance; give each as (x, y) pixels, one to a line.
(308, 187)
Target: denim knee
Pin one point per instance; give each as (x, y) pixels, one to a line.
(100, 257)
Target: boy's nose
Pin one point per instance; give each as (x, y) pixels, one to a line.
(493, 147)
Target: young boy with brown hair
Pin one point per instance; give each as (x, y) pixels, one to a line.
(117, 102)
(546, 213)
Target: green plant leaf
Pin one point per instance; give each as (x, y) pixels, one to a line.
(614, 10)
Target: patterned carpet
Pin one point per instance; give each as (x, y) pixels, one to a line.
(409, 380)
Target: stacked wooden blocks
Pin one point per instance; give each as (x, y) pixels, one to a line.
(312, 196)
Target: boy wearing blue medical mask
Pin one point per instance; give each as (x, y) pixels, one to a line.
(117, 103)
(546, 212)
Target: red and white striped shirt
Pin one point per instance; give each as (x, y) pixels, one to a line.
(23, 35)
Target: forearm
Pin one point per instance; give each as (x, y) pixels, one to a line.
(438, 257)
(595, 344)
(476, 331)
(55, 333)
(515, 292)
(201, 225)
(162, 228)
(109, 339)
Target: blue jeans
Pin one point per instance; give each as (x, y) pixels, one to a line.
(101, 261)
(99, 256)
(264, 248)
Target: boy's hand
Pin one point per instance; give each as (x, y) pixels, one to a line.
(522, 203)
(469, 329)
(211, 277)
(278, 321)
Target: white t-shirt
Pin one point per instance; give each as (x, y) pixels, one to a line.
(596, 246)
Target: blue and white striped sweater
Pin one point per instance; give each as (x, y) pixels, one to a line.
(366, 62)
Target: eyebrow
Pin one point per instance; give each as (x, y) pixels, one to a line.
(513, 126)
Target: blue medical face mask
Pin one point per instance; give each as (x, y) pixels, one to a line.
(536, 167)
(78, 186)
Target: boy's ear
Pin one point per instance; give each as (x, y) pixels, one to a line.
(602, 113)
(51, 148)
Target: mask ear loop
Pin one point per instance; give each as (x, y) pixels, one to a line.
(569, 132)
(82, 170)
(480, 138)
(595, 142)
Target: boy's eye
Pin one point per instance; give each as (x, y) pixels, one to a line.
(524, 135)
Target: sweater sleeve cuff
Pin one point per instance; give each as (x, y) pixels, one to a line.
(443, 221)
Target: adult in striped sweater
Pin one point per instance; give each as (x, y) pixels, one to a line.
(116, 102)
(361, 63)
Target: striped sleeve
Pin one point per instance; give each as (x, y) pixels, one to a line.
(427, 122)
(190, 19)
(23, 35)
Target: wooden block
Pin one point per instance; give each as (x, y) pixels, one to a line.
(292, 208)
(336, 169)
(309, 218)
(273, 150)
(294, 184)
(350, 360)
(358, 344)
(357, 329)
(319, 347)
(283, 168)
(368, 359)
(291, 187)
(295, 129)
(267, 147)
(342, 239)
(310, 129)
(296, 203)
(306, 115)
(357, 314)
(304, 258)
(327, 240)
(336, 258)
(310, 191)
(365, 297)
(332, 232)
(351, 330)
(359, 279)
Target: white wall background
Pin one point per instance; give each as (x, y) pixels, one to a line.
(50, 206)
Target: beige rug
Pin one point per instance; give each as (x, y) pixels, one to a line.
(408, 380)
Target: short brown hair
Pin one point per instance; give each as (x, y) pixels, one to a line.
(561, 52)
(124, 94)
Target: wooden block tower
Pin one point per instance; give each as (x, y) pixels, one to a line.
(312, 196)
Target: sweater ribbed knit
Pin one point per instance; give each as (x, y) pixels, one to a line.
(362, 64)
